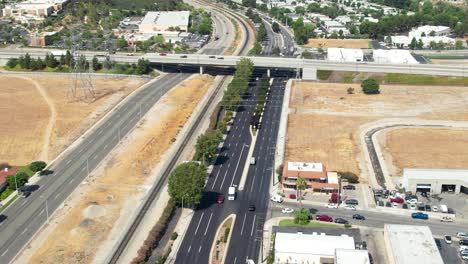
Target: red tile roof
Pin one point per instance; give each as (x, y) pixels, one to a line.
(4, 174)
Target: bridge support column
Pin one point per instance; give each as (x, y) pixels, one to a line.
(268, 72)
(201, 70)
(309, 73)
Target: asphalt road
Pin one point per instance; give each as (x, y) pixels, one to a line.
(25, 216)
(375, 219)
(227, 171)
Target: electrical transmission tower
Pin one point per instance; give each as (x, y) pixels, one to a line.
(81, 83)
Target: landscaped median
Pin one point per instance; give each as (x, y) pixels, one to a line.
(290, 222)
(222, 240)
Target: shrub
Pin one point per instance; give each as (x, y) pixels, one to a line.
(174, 236)
(226, 234)
(370, 86)
(36, 166)
(347, 225)
(302, 217)
(351, 177)
(20, 178)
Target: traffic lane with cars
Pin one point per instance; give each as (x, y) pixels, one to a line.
(375, 219)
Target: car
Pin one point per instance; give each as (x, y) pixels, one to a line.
(331, 205)
(464, 252)
(446, 219)
(287, 210)
(359, 217)
(395, 205)
(277, 198)
(130, 54)
(412, 207)
(424, 194)
(428, 208)
(463, 242)
(220, 199)
(462, 235)
(292, 196)
(420, 215)
(464, 256)
(162, 54)
(397, 200)
(411, 200)
(350, 207)
(324, 218)
(183, 56)
(212, 57)
(448, 239)
(349, 187)
(463, 248)
(341, 221)
(251, 208)
(352, 202)
(249, 261)
(435, 208)
(220, 58)
(405, 206)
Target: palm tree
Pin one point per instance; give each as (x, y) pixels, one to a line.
(300, 185)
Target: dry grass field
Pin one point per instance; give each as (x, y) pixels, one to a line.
(338, 43)
(450, 62)
(25, 135)
(111, 195)
(324, 123)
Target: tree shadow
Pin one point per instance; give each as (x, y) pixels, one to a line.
(208, 199)
(221, 160)
(46, 172)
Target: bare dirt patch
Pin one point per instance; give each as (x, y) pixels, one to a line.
(448, 145)
(26, 113)
(450, 62)
(338, 43)
(116, 188)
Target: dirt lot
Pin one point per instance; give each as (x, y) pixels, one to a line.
(338, 43)
(95, 209)
(334, 116)
(454, 62)
(28, 136)
(448, 145)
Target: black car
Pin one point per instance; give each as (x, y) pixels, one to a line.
(352, 202)
(464, 242)
(405, 206)
(183, 56)
(220, 58)
(359, 217)
(252, 208)
(212, 57)
(341, 221)
(428, 208)
(349, 187)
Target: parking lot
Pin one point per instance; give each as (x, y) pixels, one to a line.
(449, 252)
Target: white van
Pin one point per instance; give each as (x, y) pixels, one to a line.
(232, 193)
(277, 198)
(252, 161)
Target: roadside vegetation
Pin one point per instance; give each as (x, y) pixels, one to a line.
(21, 177)
(290, 222)
(370, 86)
(261, 32)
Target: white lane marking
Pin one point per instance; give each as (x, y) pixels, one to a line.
(216, 178)
(84, 168)
(235, 259)
(99, 132)
(4, 252)
(188, 251)
(253, 225)
(253, 183)
(71, 180)
(208, 225)
(224, 178)
(196, 230)
(199, 249)
(95, 156)
(80, 151)
(25, 201)
(41, 212)
(68, 162)
(105, 146)
(57, 195)
(24, 231)
(243, 222)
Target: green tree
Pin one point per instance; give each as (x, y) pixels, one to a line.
(186, 183)
(370, 86)
(20, 178)
(414, 44)
(432, 33)
(96, 64)
(38, 165)
(420, 44)
(459, 44)
(12, 62)
(121, 43)
(256, 49)
(261, 33)
(143, 67)
(301, 185)
(302, 216)
(276, 51)
(275, 26)
(26, 62)
(388, 41)
(206, 147)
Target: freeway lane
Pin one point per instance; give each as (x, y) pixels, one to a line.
(26, 215)
(377, 219)
(247, 233)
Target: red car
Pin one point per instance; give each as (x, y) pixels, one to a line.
(324, 218)
(397, 200)
(220, 199)
(162, 54)
(292, 196)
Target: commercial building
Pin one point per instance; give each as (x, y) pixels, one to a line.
(393, 56)
(351, 256)
(39, 9)
(345, 55)
(155, 22)
(312, 248)
(315, 175)
(335, 26)
(435, 181)
(426, 34)
(409, 244)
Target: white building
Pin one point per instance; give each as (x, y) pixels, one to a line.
(345, 55)
(409, 244)
(309, 248)
(317, 16)
(335, 26)
(394, 56)
(389, 11)
(351, 256)
(161, 21)
(343, 19)
(426, 30)
(435, 180)
(39, 9)
(423, 33)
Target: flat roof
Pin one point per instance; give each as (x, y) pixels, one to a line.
(412, 244)
(394, 56)
(351, 256)
(311, 244)
(436, 174)
(305, 166)
(171, 18)
(341, 54)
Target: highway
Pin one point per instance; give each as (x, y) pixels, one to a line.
(25, 216)
(227, 171)
(375, 219)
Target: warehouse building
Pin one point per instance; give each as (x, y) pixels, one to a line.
(345, 55)
(155, 22)
(409, 244)
(435, 181)
(394, 56)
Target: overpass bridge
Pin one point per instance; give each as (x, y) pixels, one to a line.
(307, 67)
